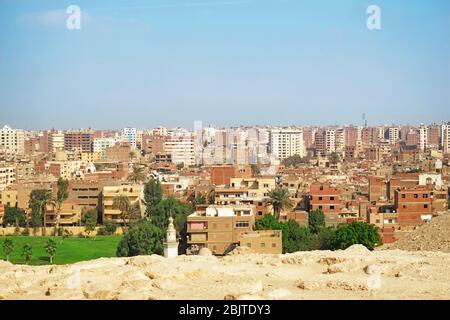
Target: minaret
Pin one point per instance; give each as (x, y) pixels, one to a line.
(171, 243)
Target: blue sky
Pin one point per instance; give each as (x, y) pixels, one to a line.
(225, 62)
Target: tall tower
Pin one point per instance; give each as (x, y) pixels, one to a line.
(171, 243)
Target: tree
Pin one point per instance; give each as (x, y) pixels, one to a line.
(295, 161)
(8, 248)
(14, 217)
(153, 194)
(143, 238)
(316, 221)
(356, 233)
(39, 199)
(137, 175)
(268, 222)
(212, 196)
(294, 237)
(256, 172)
(61, 196)
(129, 212)
(199, 199)
(279, 199)
(89, 220)
(50, 248)
(27, 253)
(334, 158)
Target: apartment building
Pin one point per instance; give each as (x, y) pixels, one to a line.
(68, 215)
(12, 141)
(285, 143)
(100, 144)
(327, 199)
(413, 206)
(393, 135)
(423, 137)
(57, 141)
(218, 228)
(181, 147)
(9, 197)
(247, 191)
(445, 138)
(79, 140)
(85, 193)
(330, 141)
(59, 169)
(8, 176)
(133, 192)
(129, 135)
(222, 174)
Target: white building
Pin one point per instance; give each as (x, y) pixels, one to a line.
(285, 143)
(445, 140)
(330, 141)
(129, 134)
(12, 141)
(171, 243)
(7, 176)
(181, 148)
(394, 135)
(423, 137)
(100, 144)
(57, 141)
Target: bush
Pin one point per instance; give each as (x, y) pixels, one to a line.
(143, 238)
(356, 233)
(59, 232)
(110, 227)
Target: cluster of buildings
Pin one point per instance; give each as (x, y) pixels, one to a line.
(395, 177)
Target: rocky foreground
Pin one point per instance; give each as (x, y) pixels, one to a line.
(354, 273)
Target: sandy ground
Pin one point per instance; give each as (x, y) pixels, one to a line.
(354, 273)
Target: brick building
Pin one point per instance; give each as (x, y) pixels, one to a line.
(413, 206)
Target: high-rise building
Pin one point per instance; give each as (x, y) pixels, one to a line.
(100, 144)
(285, 143)
(181, 148)
(129, 134)
(330, 141)
(445, 137)
(12, 141)
(423, 137)
(394, 135)
(78, 140)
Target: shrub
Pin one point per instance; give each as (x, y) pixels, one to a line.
(143, 238)
(356, 233)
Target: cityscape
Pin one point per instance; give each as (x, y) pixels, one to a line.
(157, 151)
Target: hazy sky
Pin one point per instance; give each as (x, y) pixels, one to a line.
(225, 62)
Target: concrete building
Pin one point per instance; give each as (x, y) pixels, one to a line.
(218, 228)
(423, 137)
(12, 141)
(445, 138)
(78, 140)
(100, 144)
(181, 147)
(393, 135)
(133, 192)
(262, 241)
(7, 176)
(285, 143)
(413, 206)
(326, 199)
(129, 134)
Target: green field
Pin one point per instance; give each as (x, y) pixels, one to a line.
(70, 250)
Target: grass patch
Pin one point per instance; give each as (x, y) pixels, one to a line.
(70, 250)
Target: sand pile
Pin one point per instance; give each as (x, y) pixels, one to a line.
(355, 273)
(433, 236)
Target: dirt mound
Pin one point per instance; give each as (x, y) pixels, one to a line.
(341, 274)
(433, 236)
(357, 249)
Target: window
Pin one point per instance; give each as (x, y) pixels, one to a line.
(331, 198)
(320, 207)
(266, 185)
(331, 207)
(378, 221)
(320, 198)
(249, 244)
(403, 196)
(263, 244)
(259, 213)
(404, 207)
(425, 206)
(242, 224)
(274, 245)
(416, 196)
(425, 196)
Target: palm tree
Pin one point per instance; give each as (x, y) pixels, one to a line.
(40, 199)
(279, 199)
(129, 212)
(61, 196)
(138, 174)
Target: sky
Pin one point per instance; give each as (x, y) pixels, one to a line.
(145, 63)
